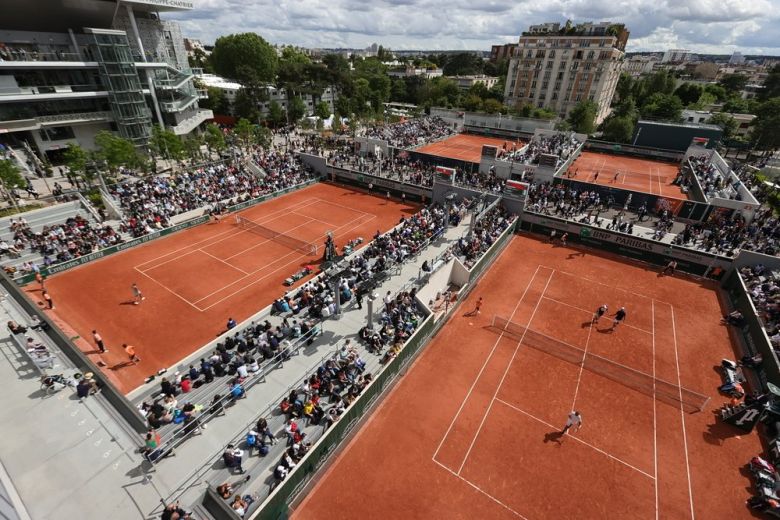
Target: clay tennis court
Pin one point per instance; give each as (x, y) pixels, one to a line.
(647, 176)
(472, 428)
(466, 147)
(196, 279)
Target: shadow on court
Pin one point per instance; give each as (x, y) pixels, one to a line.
(556, 437)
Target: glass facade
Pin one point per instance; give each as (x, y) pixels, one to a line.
(120, 78)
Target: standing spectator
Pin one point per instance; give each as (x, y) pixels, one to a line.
(99, 342)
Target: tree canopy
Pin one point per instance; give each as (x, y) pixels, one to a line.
(245, 57)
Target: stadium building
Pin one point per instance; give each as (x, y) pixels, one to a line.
(71, 69)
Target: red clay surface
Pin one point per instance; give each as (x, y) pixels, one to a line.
(654, 177)
(466, 147)
(470, 431)
(196, 279)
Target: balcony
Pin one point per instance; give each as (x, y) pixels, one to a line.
(50, 93)
(178, 105)
(188, 125)
(35, 123)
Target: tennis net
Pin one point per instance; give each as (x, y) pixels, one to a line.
(642, 382)
(293, 243)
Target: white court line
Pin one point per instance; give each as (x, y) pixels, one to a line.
(491, 497)
(655, 419)
(579, 277)
(658, 177)
(345, 207)
(682, 414)
(542, 421)
(582, 367)
(506, 371)
(269, 274)
(590, 313)
(185, 300)
(487, 359)
(219, 259)
(315, 219)
(209, 239)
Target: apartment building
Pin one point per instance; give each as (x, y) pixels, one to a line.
(502, 52)
(556, 67)
(71, 69)
(676, 56)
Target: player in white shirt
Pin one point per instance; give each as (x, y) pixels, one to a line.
(574, 419)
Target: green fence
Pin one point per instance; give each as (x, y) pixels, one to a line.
(753, 333)
(64, 266)
(278, 503)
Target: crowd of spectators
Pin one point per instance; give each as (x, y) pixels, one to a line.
(411, 133)
(763, 286)
(151, 202)
(713, 182)
(61, 242)
(486, 232)
(404, 169)
(560, 144)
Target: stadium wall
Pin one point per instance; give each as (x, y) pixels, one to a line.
(674, 136)
(690, 261)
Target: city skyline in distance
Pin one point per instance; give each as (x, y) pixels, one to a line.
(702, 26)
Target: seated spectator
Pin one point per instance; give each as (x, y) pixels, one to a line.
(232, 457)
(15, 328)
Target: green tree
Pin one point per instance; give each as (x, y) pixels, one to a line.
(583, 116)
(322, 110)
(10, 176)
(244, 132)
(544, 113)
(192, 146)
(737, 105)
(618, 129)
(733, 82)
(296, 109)
(766, 126)
(491, 106)
(704, 102)
(726, 122)
(664, 107)
(116, 151)
(771, 84)
(689, 93)
(626, 108)
(246, 57)
(716, 90)
(245, 105)
(275, 114)
(463, 63)
(214, 138)
(625, 87)
(200, 60)
(472, 103)
(217, 101)
(263, 136)
(164, 143)
(76, 159)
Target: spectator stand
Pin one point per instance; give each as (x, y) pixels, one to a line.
(751, 290)
(39, 359)
(718, 185)
(36, 249)
(214, 399)
(323, 438)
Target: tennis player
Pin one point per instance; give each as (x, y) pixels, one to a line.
(138, 296)
(601, 311)
(620, 317)
(574, 419)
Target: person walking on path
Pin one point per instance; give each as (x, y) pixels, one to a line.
(99, 342)
(130, 350)
(138, 296)
(574, 419)
(620, 317)
(601, 311)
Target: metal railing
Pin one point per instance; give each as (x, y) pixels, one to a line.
(176, 436)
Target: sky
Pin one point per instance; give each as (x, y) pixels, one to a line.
(702, 26)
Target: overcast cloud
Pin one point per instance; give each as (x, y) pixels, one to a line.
(705, 26)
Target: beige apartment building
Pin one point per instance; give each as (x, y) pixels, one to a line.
(556, 67)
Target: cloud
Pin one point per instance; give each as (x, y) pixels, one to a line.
(705, 26)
